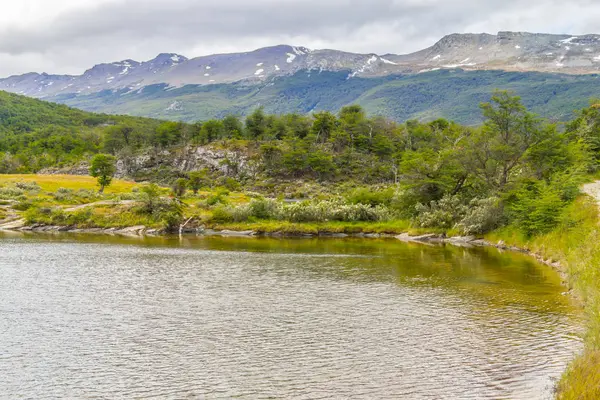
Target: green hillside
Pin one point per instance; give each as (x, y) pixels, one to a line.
(450, 94)
(36, 134)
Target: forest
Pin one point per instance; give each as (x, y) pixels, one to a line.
(514, 169)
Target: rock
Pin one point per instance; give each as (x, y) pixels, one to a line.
(430, 237)
(460, 239)
(13, 225)
(426, 238)
(132, 230)
(237, 233)
(210, 232)
(331, 234)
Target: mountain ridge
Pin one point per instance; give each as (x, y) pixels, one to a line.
(508, 51)
(553, 73)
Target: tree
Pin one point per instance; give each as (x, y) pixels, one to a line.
(180, 186)
(103, 168)
(323, 126)
(168, 133)
(211, 130)
(118, 136)
(233, 127)
(498, 149)
(256, 123)
(197, 180)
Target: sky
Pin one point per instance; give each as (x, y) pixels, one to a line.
(70, 36)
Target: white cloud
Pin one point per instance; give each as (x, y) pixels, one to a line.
(68, 36)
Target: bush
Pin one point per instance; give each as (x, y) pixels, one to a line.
(371, 197)
(23, 205)
(536, 209)
(444, 213)
(28, 186)
(221, 214)
(11, 192)
(307, 211)
(167, 211)
(336, 210)
(180, 187)
(229, 183)
(81, 217)
(86, 194)
(264, 208)
(63, 194)
(482, 216)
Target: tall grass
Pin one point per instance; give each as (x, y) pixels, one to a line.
(575, 243)
(51, 183)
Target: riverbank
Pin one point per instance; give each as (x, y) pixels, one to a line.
(573, 247)
(70, 204)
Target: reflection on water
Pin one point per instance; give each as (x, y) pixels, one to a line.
(106, 317)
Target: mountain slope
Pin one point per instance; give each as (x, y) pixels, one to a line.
(453, 94)
(553, 73)
(512, 51)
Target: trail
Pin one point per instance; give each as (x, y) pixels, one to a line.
(98, 203)
(593, 190)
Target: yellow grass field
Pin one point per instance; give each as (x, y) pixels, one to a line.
(51, 183)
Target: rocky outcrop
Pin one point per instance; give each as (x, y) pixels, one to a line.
(191, 158)
(81, 169)
(155, 164)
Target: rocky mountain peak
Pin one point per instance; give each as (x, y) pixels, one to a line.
(510, 51)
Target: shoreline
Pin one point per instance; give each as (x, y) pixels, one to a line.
(425, 239)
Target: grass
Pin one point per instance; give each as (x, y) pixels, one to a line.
(574, 243)
(313, 228)
(51, 183)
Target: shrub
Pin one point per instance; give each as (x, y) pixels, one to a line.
(81, 217)
(371, 197)
(483, 215)
(11, 192)
(28, 186)
(221, 214)
(86, 194)
(336, 210)
(444, 213)
(536, 209)
(63, 194)
(229, 183)
(180, 187)
(23, 205)
(264, 208)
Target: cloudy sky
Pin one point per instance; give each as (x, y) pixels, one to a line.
(69, 36)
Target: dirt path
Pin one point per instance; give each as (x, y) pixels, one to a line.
(592, 190)
(99, 203)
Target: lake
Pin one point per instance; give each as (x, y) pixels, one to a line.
(104, 317)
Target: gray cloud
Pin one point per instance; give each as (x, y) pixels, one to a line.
(77, 38)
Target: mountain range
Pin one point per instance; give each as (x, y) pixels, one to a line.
(553, 73)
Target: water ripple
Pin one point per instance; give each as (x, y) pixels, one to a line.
(98, 321)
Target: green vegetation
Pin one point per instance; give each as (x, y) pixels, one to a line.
(36, 134)
(450, 94)
(515, 178)
(574, 243)
(103, 168)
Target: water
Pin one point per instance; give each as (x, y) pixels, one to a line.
(107, 318)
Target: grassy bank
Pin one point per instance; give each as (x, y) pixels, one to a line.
(575, 244)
